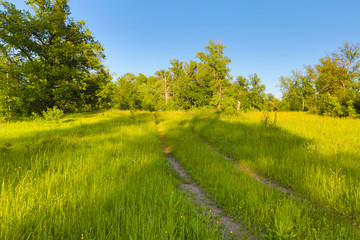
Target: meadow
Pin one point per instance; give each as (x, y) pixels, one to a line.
(106, 176)
(94, 176)
(312, 155)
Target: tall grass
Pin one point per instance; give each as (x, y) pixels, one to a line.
(268, 212)
(316, 156)
(95, 176)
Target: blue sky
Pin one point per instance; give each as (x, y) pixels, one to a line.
(267, 37)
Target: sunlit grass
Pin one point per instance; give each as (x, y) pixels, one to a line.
(94, 176)
(268, 212)
(316, 156)
(104, 176)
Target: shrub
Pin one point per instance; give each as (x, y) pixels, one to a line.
(53, 114)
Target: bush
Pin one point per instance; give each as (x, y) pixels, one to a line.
(53, 114)
(330, 106)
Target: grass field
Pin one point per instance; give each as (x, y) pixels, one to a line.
(105, 176)
(315, 156)
(93, 177)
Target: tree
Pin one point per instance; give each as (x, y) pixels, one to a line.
(192, 92)
(10, 78)
(178, 76)
(59, 57)
(331, 81)
(331, 76)
(214, 70)
(149, 89)
(349, 56)
(298, 90)
(271, 102)
(165, 78)
(256, 92)
(242, 85)
(126, 93)
(307, 89)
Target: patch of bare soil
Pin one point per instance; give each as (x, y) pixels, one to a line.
(234, 230)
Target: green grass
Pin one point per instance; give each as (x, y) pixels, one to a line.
(315, 156)
(269, 213)
(93, 176)
(104, 176)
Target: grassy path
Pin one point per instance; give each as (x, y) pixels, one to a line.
(106, 176)
(318, 157)
(234, 230)
(266, 212)
(93, 176)
(246, 169)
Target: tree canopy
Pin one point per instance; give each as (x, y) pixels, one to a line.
(330, 87)
(50, 58)
(47, 60)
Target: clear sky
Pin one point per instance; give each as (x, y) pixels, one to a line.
(267, 37)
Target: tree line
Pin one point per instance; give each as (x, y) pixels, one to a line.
(330, 87)
(205, 84)
(48, 60)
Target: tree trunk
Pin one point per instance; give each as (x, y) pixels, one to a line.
(219, 94)
(303, 104)
(238, 106)
(343, 85)
(9, 106)
(166, 90)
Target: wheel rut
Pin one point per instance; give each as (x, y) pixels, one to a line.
(234, 230)
(249, 171)
(268, 183)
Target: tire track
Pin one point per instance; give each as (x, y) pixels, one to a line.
(234, 230)
(249, 171)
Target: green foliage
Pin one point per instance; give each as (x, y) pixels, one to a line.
(205, 85)
(50, 59)
(256, 92)
(271, 103)
(52, 114)
(214, 71)
(242, 91)
(329, 88)
(36, 117)
(298, 91)
(329, 105)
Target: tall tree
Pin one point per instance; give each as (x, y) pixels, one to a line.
(271, 102)
(307, 89)
(57, 54)
(126, 93)
(242, 85)
(337, 82)
(192, 91)
(10, 78)
(349, 58)
(149, 89)
(178, 75)
(166, 79)
(298, 90)
(256, 92)
(330, 80)
(214, 67)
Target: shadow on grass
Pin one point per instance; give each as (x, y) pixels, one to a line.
(292, 161)
(24, 152)
(104, 215)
